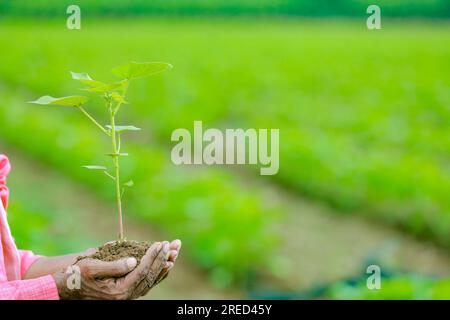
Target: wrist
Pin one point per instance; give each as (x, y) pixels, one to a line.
(61, 284)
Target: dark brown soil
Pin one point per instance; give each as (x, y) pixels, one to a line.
(120, 249)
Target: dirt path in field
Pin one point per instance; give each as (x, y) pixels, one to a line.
(323, 245)
(93, 218)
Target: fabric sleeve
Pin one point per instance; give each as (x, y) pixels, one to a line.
(27, 258)
(43, 288)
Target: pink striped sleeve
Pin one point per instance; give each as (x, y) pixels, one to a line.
(43, 288)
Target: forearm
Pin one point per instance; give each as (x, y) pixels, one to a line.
(50, 265)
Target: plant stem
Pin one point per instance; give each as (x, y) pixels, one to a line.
(116, 151)
(93, 120)
(115, 157)
(117, 174)
(124, 93)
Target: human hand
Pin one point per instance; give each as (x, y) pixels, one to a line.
(174, 251)
(174, 247)
(145, 286)
(117, 280)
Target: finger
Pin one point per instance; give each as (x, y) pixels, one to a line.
(175, 245)
(137, 280)
(173, 254)
(159, 263)
(144, 266)
(141, 289)
(144, 286)
(103, 269)
(165, 272)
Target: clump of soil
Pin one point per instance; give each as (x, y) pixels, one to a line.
(116, 250)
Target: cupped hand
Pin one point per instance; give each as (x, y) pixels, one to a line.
(172, 254)
(174, 247)
(115, 280)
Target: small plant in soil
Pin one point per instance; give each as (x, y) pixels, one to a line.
(114, 97)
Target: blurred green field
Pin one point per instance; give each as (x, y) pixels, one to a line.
(397, 8)
(399, 288)
(364, 120)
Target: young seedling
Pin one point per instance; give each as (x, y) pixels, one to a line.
(114, 95)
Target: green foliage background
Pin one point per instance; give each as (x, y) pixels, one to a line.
(364, 117)
(396, 8)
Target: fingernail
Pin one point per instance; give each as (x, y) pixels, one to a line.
(159, 247)
(131, 263)
(177, 243)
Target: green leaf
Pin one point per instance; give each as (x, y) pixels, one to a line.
(118, 97)
(105, 87)
(69, 101)
(124, 128)
(129, 183)
(80, 76)
(134, 70)
(86, 79)
(95, 167)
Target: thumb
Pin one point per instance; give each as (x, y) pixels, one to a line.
(108, 269)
